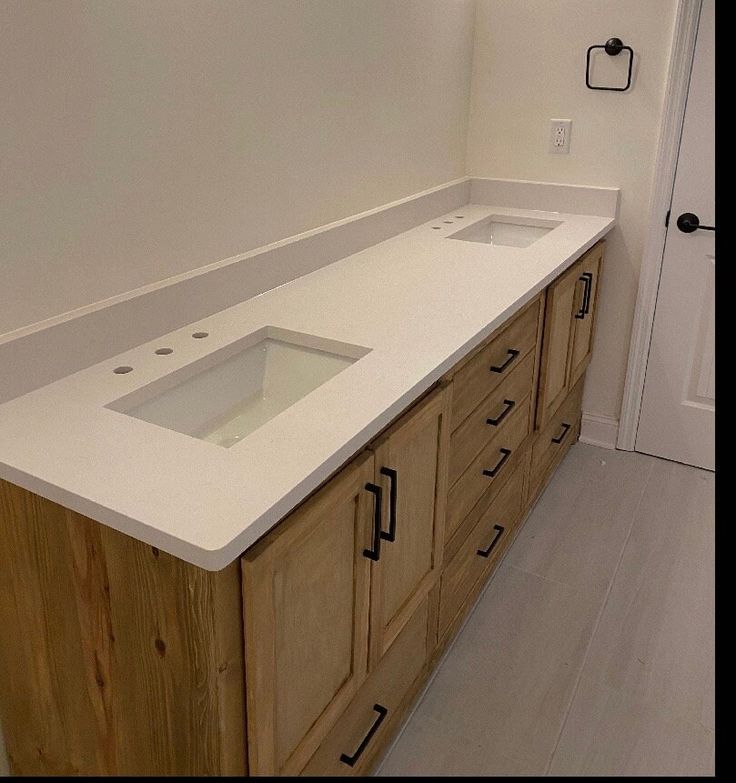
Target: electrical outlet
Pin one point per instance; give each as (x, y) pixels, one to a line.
(559, 136)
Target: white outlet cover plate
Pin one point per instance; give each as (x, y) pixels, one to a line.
(559, 136)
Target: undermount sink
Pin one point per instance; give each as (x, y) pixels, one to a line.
(231, 392)
(506, 231)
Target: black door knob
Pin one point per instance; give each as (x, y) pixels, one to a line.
(689, 222)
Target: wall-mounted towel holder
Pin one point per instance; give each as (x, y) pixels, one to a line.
(612, 47)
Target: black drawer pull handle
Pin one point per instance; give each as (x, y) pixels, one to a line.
(512, 354)
(499, 532)
(587, 278)
(494, 471)
(375, 553)
(565, 429)
(351, 761)
(504, 413)
(393, 494)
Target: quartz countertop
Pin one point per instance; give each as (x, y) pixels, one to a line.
(418, 301)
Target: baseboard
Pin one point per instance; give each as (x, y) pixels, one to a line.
(599, 430)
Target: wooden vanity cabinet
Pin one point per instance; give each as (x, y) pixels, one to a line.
(303, 657)
(568, 331)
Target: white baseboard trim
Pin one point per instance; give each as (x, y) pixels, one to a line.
(599, 430)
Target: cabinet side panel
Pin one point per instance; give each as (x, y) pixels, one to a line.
(115, 658)
(51, 722)
(171, 667)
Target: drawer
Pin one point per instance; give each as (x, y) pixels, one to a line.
(363, 729)
(491, 466)
(481, 548)
(491, 365)
(490, 418)
(557, 436)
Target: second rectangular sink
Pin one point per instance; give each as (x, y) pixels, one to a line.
(506, 231)
(230, 393)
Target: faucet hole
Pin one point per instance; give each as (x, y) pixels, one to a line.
(200, 335)
(436, 228)
(459, 217)
(163, 351)
(449, 221)
(122, 369)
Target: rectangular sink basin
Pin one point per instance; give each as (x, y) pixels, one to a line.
(228, 394)
(506, 231)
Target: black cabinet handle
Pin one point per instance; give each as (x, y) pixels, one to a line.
(689, 222)
(375, 553)
(351, 761)
(588, 290)
(499, 532)
(494, 471)
(504, 413)
(393, 494)
(565, 429)
(512, 354)
(587, 278)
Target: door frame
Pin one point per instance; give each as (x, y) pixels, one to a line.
(668, 147)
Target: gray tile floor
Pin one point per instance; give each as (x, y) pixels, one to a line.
(591, 652)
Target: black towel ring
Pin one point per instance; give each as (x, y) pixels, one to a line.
(612, 47)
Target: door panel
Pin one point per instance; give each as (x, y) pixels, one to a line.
(416, 449)
(305, 597)
(582, 341)
(677, 419)
(562, 297)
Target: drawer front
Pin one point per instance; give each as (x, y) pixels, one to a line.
(490, 467)
(493, 364)
(363, 728)
(557, 436)
(481, 549)
(490, 418)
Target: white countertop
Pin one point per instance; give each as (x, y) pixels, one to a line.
(419, 301)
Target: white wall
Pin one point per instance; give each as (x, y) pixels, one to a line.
(529, 67)
(144, 139)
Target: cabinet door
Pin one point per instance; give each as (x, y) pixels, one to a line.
(562, 297)
(411, 465)
(584, 317)
(305, 602)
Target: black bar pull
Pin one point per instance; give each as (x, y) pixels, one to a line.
(587, 278)
(565, 429)
(375, 553)
(351, 761)
(494, 471)
(499, 532)
(512, 354)
(689, 222)
(504, 413)
(392, 497)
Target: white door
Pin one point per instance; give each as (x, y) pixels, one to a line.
(677, 419)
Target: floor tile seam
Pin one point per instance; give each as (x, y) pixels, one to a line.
(601, 612)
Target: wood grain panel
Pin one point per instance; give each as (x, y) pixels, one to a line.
(475, 432)
(417, 449)
(132, 659)
(473, 483)
(582, 339)
(387, 686)
(306, 592)
(467, 566)
(474, 380)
